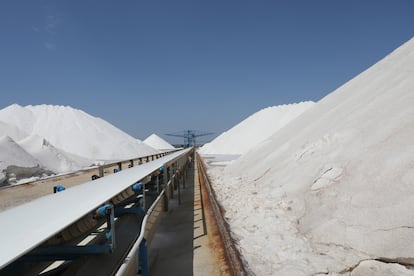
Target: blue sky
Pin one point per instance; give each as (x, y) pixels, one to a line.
(165, 66)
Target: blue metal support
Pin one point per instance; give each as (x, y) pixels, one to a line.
(137, 201)
(161, 176)
(57, 253)
(143, 258)
(53, 253)
(108, 211)
(126, 202)
(157, 182)
(58, 188)
(133, 210)
(169, 173)
(137, 187)
(144, 200)
(151, 193)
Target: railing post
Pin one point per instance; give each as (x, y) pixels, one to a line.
(168, 179)
(172, 186)
(178, 187)
(101, 171)
(166, 188)
(183, 176)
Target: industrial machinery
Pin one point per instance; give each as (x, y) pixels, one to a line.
(189, 136)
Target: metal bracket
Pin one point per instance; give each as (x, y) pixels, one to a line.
(53, 253)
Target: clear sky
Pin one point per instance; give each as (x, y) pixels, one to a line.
(165, 66)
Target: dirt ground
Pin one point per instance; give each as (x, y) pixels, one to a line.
(11, 196)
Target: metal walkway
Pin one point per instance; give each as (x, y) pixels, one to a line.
(171, 252)
(184, 242)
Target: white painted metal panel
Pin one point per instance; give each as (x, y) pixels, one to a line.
(26, 226)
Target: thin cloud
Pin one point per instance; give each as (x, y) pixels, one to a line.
(48, 30)
(52, 23)
(50, 46)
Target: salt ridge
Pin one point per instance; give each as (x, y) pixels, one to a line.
(254, 129)
(333, 187)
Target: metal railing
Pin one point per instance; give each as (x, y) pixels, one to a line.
(136, 260)
(129, 163)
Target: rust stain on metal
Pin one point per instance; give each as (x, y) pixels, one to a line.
(215, 240)
(228, 257)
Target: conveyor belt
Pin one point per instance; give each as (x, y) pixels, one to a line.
(27, 226)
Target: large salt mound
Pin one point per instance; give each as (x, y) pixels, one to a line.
(255, 129)
(75, 131)
(11, 131)
(51, 157)
(13, 154)
(335, 186)
(157, 142)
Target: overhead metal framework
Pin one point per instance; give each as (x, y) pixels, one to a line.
(190, 136)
